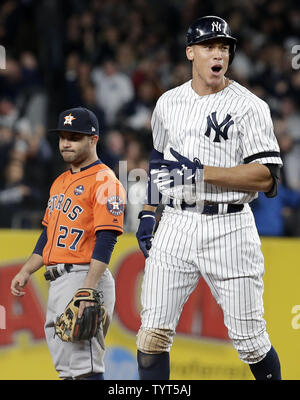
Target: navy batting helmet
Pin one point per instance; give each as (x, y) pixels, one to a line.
(211, 27)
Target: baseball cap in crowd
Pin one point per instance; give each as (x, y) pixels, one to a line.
(77, 120)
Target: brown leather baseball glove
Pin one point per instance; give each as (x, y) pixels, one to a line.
(70, 328)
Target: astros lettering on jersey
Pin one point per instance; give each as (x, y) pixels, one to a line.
(81, 204)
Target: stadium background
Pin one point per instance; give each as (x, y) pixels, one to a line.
(116, 58)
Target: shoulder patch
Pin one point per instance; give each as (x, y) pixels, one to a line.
(115, 205)
(79, 190)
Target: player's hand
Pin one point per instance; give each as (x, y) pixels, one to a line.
(18, 283)
(145, 230)
(167, 173)
(82, 306)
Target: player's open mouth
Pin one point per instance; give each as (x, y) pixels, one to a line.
(216, 69)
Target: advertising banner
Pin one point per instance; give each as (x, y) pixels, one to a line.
(201, 349)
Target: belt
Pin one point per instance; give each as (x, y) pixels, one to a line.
(210, 209)
(55, 272)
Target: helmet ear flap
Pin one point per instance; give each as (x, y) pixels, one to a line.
(231, 52)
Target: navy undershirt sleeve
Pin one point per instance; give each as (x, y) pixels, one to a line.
(40, 244)
(105, 243)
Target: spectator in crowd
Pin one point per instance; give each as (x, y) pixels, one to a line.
(113, 150)
(8, 112)
(126, 59)
(17, 197)
(289, 143)
(89, 101)
(72, 90)
(113, 89)
(6, 144)
(137, 113)
(272, 216)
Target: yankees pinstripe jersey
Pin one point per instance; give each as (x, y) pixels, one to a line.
(224, 129)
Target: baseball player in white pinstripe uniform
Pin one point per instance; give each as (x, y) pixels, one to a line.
(214, 149)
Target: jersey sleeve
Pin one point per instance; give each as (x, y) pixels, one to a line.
(259, 141)
(109, 202)
(45, 219)
(159, 133)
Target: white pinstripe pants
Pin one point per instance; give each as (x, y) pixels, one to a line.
(224, 249)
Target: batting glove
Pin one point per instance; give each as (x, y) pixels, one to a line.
(145, 230)
(167, 173)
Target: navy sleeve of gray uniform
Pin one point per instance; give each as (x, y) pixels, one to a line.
(41, 243)
(259, 143)
(105, 243)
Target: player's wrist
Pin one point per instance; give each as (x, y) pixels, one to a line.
(146, 213)
(150, 207)
(199, 174)
(31, 266)
(197, 163)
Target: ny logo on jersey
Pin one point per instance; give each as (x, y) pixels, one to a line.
(216, 26)
(212, 123)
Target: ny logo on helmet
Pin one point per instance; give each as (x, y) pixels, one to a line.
(216, 26)
(212, 123)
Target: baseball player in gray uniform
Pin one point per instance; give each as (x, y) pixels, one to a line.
(214, 150)
(82, 222)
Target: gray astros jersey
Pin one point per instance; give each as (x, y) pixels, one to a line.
(225, 129)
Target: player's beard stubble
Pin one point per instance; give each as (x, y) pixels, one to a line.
(75, 156)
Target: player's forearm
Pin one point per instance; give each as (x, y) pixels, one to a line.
(249, 177)
(95, 273)
(148, 207)
(34, 263)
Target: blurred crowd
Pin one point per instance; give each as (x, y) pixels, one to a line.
(116, 57)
